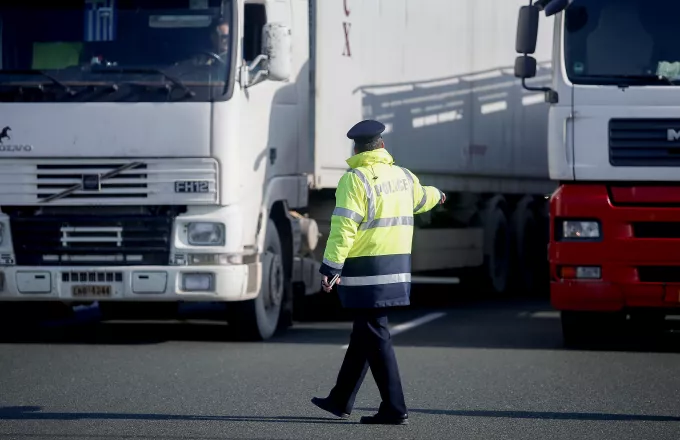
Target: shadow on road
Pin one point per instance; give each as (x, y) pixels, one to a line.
(541, 415)
(511, 323)
(34, 413)
(119, 436)
(499, 324)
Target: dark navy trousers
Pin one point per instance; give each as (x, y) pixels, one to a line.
(370, 345)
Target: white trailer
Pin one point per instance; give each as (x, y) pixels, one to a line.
(132, 176)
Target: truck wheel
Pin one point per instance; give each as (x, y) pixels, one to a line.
(525, 250)
(258, 319)
(647, 322)
(542, 236)
(497, 258)
(575, 330)
(581, 329)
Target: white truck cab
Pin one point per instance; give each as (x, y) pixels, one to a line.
(129, 134)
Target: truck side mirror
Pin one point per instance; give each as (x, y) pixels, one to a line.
(276, 45)
(527, 30)
(525, 67)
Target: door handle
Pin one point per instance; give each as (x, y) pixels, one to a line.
(568, 152)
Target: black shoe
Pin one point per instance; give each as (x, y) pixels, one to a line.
(327, 405)
(380, 419)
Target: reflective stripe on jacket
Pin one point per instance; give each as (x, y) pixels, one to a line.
(372, 230)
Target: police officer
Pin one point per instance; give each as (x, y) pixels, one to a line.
(370, 247)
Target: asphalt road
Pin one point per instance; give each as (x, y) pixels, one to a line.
(483, 370)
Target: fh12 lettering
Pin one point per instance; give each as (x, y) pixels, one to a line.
(192, 186)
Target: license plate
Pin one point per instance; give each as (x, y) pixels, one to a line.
(100, 291)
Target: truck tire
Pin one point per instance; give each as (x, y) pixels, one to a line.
(647, 323)
(582, 329)
(525, 250)
(497, 256)
(575, 330)
(542, 265)
(258, 319)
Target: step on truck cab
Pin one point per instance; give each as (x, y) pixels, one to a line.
(614, 149)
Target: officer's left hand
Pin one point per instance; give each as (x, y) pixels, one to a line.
(325, 285)
(441, 202)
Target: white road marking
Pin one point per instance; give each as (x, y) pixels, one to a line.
(540, 315)
(435, 280)
(401, 328)
(85, 308)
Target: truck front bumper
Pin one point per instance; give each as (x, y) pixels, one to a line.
(131, 283)
(637, 254)
(613, 296)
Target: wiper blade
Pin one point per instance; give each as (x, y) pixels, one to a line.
(145, 70)
(66, 88)
(637, 77)
(669, 79)
(648, 76)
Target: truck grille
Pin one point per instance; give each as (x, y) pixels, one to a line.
(656, 229)
(659, 274)
(53, 179)
(91, 240)
(145, 182)
(644, 142)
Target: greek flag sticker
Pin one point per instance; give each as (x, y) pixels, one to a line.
(100, 20)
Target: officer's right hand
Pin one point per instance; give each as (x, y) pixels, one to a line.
(326, 286)
(441, 202)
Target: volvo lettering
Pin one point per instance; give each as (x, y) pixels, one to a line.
(16, 148)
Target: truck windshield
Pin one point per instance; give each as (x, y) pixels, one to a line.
(622, 42)
(114, 50)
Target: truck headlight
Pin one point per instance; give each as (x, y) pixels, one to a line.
(580, 229)
(205, 234)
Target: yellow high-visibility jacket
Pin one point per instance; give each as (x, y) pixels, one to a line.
(372, 231)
